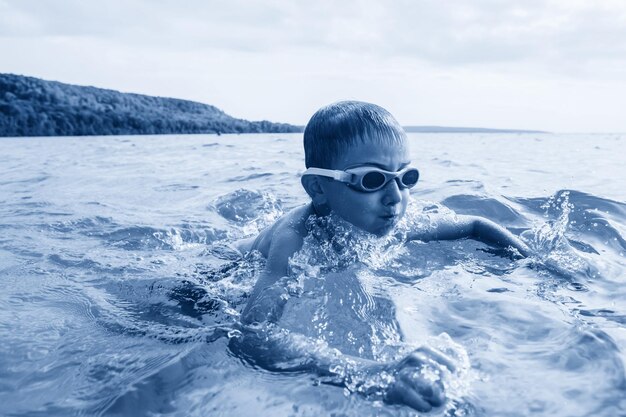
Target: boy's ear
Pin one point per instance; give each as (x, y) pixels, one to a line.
(313, 188)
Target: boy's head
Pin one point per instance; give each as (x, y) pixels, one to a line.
(336, 127)
(359, 137)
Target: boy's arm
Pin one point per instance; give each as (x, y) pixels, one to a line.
(472, 227)
(407, 381)
(269, 295)
(265, 344)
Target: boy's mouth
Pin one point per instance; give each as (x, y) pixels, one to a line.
(390, 216)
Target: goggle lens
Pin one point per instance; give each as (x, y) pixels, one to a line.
(373, 180)
(409, 179)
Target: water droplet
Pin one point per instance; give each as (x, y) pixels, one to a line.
(234, 333)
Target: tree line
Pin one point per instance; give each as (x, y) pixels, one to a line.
(34, 107)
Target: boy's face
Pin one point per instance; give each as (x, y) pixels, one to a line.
(375, 212)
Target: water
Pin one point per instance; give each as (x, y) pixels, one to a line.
(119, 293)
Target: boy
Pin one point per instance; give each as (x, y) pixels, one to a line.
(358, 168)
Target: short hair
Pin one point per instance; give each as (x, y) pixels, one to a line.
(334, 128)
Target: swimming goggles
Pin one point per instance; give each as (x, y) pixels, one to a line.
(369, 179)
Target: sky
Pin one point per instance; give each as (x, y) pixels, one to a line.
(555, 65)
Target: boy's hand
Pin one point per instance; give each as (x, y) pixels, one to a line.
(412, 386)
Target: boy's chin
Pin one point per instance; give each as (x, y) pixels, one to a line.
(384, 232)
(378, 227)
(381, 230)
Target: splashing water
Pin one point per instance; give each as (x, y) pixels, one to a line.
(550, 236)
(251, 210)
(549, 243)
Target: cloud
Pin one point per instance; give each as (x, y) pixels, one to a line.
(455, 32)
(545, 64)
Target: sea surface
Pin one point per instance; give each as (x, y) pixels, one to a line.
(120, 292)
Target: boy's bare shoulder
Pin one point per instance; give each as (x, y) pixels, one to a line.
(289, 229)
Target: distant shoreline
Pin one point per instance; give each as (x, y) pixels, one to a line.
(414, 129)
(32, 107)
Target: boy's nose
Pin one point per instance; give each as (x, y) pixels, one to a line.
(393, 195)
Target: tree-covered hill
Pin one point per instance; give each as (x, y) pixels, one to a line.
(34, 107)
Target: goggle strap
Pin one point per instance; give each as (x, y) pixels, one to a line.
(335, 174)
